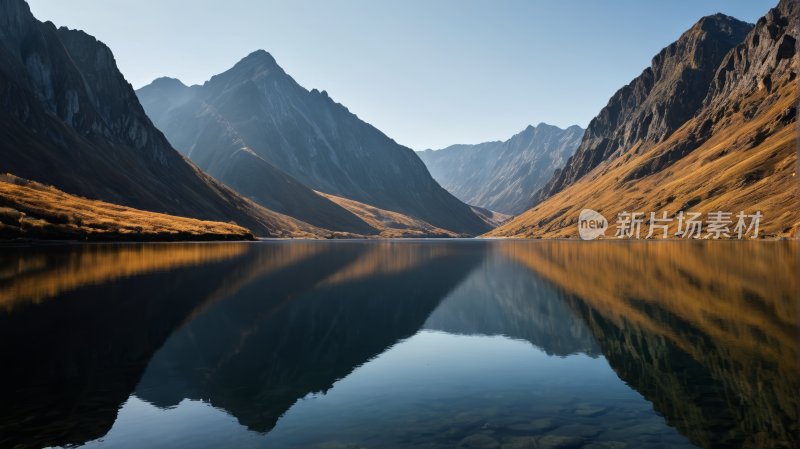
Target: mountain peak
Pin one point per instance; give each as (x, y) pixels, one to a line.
(259, 56)
(167, 81)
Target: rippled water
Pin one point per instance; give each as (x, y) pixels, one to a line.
(434, 344)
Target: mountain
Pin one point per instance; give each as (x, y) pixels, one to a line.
(502, 176)
(163, 95)
(657, 102)
(69, 118)
(303, 134)
(702, 128)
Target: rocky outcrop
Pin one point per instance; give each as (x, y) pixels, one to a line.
(307, 136)
(736, 152)
(69, 118)
(503, 176)
(656, 103)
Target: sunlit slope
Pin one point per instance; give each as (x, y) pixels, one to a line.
(736, 153)
(30, 209)
(738, 169)
(388, 224)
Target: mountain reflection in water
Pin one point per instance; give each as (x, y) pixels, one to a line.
(404, 344)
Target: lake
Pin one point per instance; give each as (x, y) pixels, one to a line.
(400, 344)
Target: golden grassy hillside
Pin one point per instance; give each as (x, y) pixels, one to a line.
(390, 224)
(495, 219)
(30, 209)
(736, 169)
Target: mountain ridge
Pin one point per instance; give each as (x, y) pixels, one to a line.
(70, 119)
(649, 109)
(737, 152)
(311, 138)
(503, 175)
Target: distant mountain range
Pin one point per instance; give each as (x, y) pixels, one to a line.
(69, 118)
(503, 176)
(262, 134)
(710, 125)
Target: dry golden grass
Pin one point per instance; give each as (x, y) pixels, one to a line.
(733, 171)
(51, 213)
(391, 224)
(495, 219)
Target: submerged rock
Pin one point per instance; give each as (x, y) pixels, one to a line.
(554, 442)
(479, 441)
(522, 443)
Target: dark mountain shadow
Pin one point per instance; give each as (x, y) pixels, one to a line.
(256, 358)
(503, 298)
(78, 356)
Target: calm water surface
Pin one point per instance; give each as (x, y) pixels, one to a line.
(435, 344)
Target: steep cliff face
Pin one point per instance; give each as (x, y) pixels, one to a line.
(503, 176)
(69, 118)
(736, 152)
(656, 103)
(309, 137)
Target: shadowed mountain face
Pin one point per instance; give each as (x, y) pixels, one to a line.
(656, 103)
(70, 119)
(267, 356)
(503, 176)
(306, 135)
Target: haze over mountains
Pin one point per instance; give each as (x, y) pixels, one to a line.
(254, 124)
(709, 126)
(503, 176)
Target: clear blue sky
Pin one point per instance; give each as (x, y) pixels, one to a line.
(427, 73)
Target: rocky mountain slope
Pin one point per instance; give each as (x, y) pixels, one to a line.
(305, 135)
(657, 102)
(502, 176)
(69, 118)
(701, 129)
